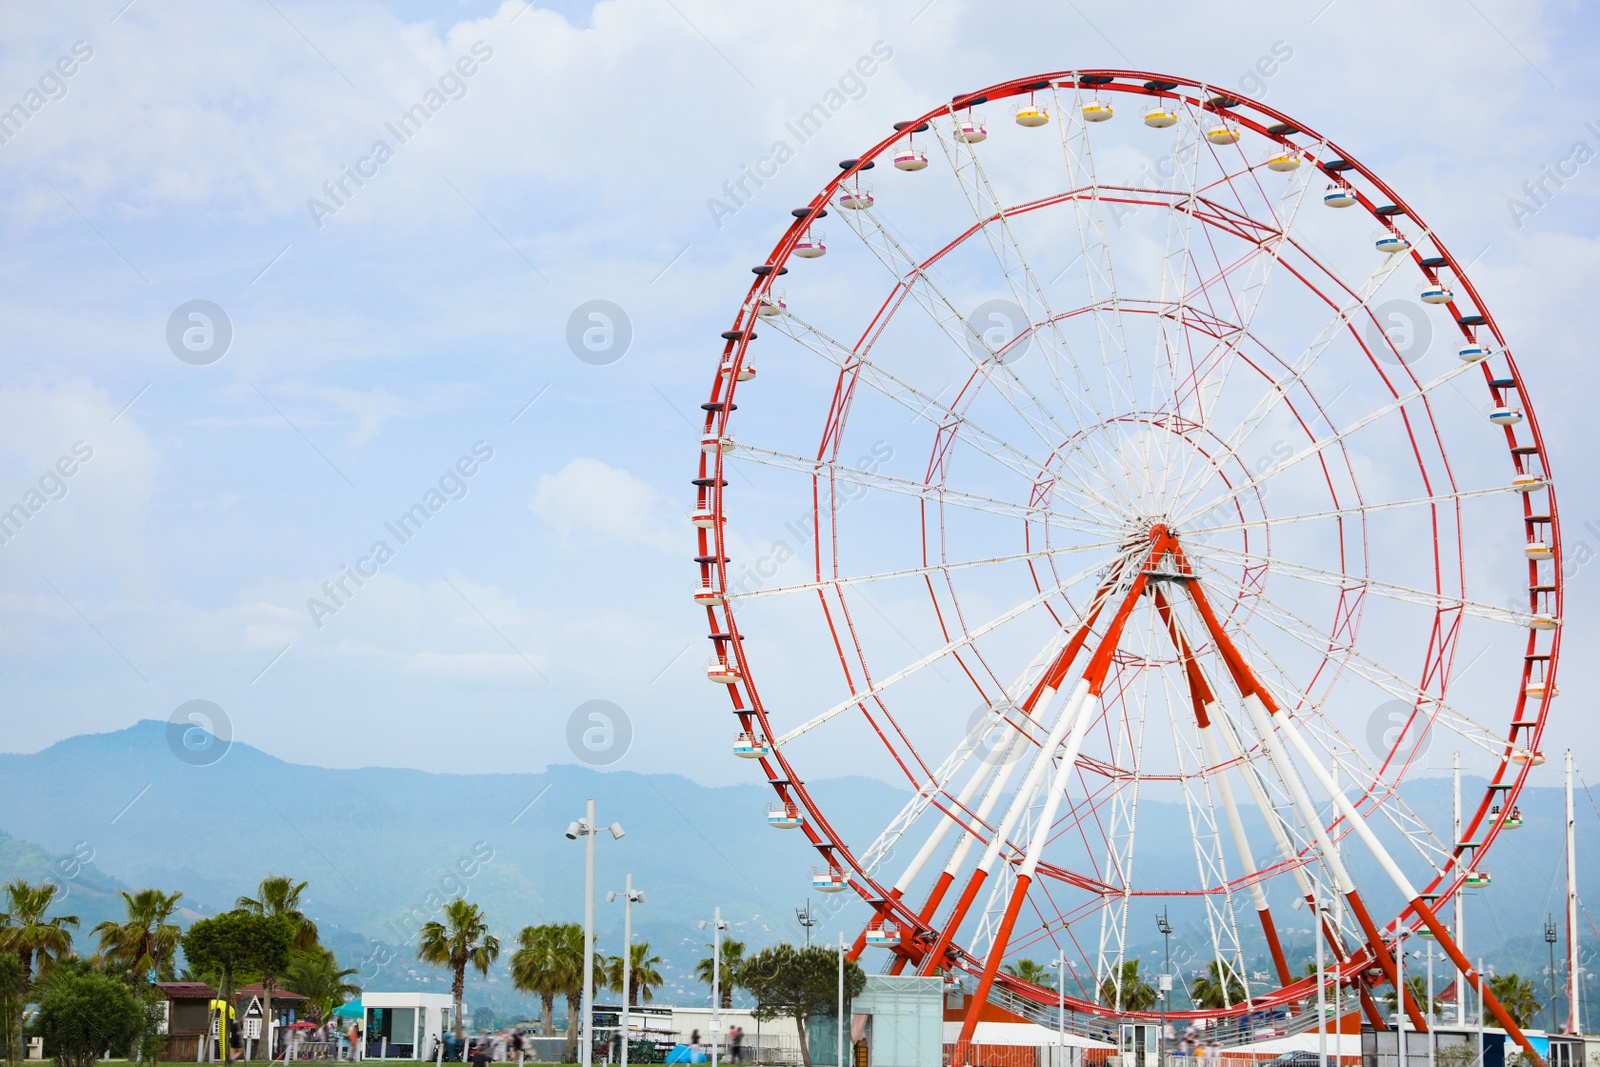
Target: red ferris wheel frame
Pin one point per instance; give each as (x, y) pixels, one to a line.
(928, 948)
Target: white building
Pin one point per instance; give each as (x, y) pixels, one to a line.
(404, 1026)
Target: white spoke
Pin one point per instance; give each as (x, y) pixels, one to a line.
(936, 494)
(1345, 581)
(947, 648)
(1341, 513)
(918, 572)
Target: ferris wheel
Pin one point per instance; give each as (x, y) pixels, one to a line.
(1137, 479)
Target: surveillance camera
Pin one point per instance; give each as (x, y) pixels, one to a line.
(617, 831)
(573, 830)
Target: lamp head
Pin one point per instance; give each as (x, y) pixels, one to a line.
(611, 898)
(616, 831)
(638, 896)
(703, 924)
(575, 830)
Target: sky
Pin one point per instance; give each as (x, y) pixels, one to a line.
(364, 342)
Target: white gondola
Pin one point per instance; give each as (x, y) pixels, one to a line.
(1474, 352)
(1512, 821)
(910, 157)
(704, 518)
(1159, 118)
(1535, 759)
(1527, 483)
(1031, 115)
(708, 597)
(883, 935)
(1222, 133)
(1391, 242)
(810, 245)
(1476, 880)
(830, 880)
(1544, 621)
(771, 304)
(751, 746)
(1505, 416)
(743, 372)
(713, 443)
(1536, 690)
(1339, 195)
(1096, 111)
(856, 199)
(722, 671)
(971, 131)
(1436, 294)
(785, 817)
(1538, 550)
(1284, 162)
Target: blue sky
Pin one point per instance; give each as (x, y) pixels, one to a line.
(421, 319)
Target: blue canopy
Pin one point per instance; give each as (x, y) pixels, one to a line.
(350, 1009)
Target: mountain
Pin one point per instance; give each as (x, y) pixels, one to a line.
(382, 848)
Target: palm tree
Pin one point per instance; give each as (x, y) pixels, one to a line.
(1037, 973)
(145, 943)
(566, 976)
(1516, 995)
(642, 974)
(25, 931)
(1125, 990)
(463, 938)
(1219, 988)
(533, 969)
(732, 960)
(316, 975)
(278, 894)
(1417, 985)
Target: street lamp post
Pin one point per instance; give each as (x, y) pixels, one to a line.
(586, 829)
(1166, 984)
(1400, 995)
(843, 1022)
(1060, 964)
(1322, 977)
(630, 897)
(717, 926)
(804, 917)
(1550, 937)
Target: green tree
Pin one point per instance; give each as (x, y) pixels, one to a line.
(1517, 996)
(1127, 991)
(145, 941)
(1219, 988)
(533, 970)
(727, 981)
(798, 983)
(278, 894)
(1418, 985)
(643, 975)
(1031, 971)
(239, 941)
(11, 986)
(25, 931)
(315, 974)
(562, 944)
(84, 1017)
(462, 939)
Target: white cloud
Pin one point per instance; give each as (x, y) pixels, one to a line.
(588, 496)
